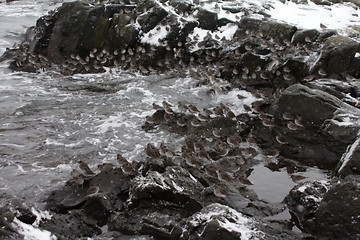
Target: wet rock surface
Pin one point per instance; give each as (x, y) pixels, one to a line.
(327, 209)
(299, 109)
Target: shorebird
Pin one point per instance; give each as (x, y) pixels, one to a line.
(218, 112)
(181, 122)
(288, 116)
(86, 169)
(167, 117)
(292, 126)
(198, 146)
(216, 132)
(128, 169)
(92, 191)
(210, 170)
(193, 109)
(156, 106)
(195, 123)
(150, 119)
(224, 176)
(220, 191)
(223, 152)
(152, 151)
(121, 160)
(232, 141)
(192, 161)
(281, 139)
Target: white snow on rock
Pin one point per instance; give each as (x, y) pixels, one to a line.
(347, 156)
(305, 16)
(227, 218)
(310, 15)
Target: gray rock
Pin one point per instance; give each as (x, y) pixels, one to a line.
(175, 186)
(303, 201)
(350, 161)
(301, 35)
(326, 124)
(314, 106)
(218, 221)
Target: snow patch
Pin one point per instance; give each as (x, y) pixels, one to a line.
(222, 214)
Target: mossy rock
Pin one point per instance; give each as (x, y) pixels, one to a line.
(277, 30)
(298, 68)
(301, 35)
(339, 59)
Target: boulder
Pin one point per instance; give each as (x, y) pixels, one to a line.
(158, 204)
(338, 57)
(303, 201)
(337, 216)
(175, 186)
(217, 221)
(302, 36)
(11, 208)
(349, 164)
(314, 106)
(207, 20)
(150, 19)
(73, 196)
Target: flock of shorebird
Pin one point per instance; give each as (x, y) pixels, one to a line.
(218, 151)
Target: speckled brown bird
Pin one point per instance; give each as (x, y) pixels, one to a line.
(152, 151)
(86, 169)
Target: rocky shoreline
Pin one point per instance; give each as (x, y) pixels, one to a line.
(302, 111)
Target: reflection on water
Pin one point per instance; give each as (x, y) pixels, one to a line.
(273, 186)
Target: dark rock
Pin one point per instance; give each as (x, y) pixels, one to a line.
(338, 56)
(207, 20)
(279, 31)
(298, 68)
(11, 208)
(72, 196)
(308, 146)
(158, 204)
(74, 224)
(312, 125)
(338, 88)
(150, 19)
(181, 6)
(337, 216)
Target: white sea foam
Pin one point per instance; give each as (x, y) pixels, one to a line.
(30, 232)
